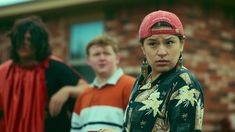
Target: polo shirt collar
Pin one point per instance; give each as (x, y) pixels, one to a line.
(111, 81)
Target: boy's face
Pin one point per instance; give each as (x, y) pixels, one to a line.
(162, 51)
(102, 59)
(25, 51)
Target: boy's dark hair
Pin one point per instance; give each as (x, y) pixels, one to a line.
(163, 24)
(39, 37)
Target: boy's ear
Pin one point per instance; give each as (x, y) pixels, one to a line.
(118, 57)
(87, 60)
(182, 46)
(142, 48)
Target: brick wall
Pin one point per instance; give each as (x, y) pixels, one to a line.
(209, 51)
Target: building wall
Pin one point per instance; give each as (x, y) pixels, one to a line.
(209, 49)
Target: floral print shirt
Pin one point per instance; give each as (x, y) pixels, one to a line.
(171, 103)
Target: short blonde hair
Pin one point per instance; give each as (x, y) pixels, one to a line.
(103, 40)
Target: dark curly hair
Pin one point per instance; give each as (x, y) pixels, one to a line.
(163, 24)
(39, 37)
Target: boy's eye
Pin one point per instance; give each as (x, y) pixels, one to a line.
(169, 42)
(151, 43)
(107, 53)
(96, 54)
(28, 39)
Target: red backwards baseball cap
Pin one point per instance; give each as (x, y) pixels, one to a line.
(160, 16)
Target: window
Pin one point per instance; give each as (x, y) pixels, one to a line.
(80, 35)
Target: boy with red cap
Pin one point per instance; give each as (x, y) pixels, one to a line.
(166, 96)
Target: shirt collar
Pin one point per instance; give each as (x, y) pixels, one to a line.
(111, 81)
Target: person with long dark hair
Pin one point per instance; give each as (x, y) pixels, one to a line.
(35, 87)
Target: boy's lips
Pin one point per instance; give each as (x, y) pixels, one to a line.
(101, 65)
(162, 62)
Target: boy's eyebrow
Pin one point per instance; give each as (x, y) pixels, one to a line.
(165, 37)
(169, 37)
(151, 39)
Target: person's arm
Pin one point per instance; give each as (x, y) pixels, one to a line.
(75, 91)
(59, 98)
(186, 108)
(66, 83)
